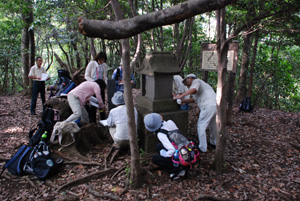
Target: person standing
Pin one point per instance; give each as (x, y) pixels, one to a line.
(118, 77)
(205, 97)
(117, 121)
(180, 88)
(97, 70)
(38, 85)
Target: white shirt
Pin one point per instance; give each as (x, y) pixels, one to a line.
(36, 71)
(163, 138)
(91, 71)
(178, 86)
(101, 72)
(205, 94)
(118, 116)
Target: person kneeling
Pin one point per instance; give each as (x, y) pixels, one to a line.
(117, 121)
(155, 123)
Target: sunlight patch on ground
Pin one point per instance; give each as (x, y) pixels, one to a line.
(12, 130)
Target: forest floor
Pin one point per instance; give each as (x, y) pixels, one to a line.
(262, 163)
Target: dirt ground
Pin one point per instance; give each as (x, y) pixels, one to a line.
(262, 163)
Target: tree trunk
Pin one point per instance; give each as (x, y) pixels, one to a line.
(189, 45)
(138, 47)
(25, 56)
(249, 93)
(27, 16)
(135, 174)
(222, 48)
(244, 69)
(231, 87)
(231, 84)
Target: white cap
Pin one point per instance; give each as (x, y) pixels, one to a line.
(189, 75)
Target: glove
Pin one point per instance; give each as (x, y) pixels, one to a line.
(163, 153)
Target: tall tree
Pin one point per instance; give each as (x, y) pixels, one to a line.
(27, 17)
(222, 49)
(135, 173)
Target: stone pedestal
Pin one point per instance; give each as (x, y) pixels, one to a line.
(111, 89)
(156, 82)
(148, 140)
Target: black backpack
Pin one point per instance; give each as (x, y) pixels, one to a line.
(245, 105)
(46, 124)
(118, 75)
(16, 163)
(41, 162)
(35, 160)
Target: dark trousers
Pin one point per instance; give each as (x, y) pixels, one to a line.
(37, 87)
(93, 110)
(166, 163)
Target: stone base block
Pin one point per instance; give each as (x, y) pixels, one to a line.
(157, 105)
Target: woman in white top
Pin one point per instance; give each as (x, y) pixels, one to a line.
(97, 69)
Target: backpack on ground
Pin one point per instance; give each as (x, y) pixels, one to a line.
(41, 162)
(35, 160)
(16, 163)
(35, 134)
(68, 88)
(49, 118)
(188, 153)
(246, 105)
(61, 87)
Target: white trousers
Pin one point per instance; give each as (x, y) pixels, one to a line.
(78, 111)
(120, 142)
(207, 118)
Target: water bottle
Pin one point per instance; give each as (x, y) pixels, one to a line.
(44, 136)
(178, 101)
(176, 158)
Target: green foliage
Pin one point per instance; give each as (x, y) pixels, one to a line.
(55, 24)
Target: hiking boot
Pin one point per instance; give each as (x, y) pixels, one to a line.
(116, 146)
(180, 174)
(211, 146)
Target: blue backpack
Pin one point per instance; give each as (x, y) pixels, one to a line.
(16, 163)
(35, 160)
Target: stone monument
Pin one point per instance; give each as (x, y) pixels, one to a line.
(157, 73)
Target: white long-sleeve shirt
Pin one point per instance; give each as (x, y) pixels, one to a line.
(95, 71)
(205, 94)
(163, 138)
(118, 117)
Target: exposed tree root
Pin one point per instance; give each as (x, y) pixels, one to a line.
(295, 146)
(211, 197)
(83, 163)
(86, 178)
(118, 172)
(112, 151)
(30, 182)
(104, 195)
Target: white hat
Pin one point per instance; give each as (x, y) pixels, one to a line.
(189, 75)
(118, 99)
(152, 122)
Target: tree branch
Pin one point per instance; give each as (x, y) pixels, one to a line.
(129, 27)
